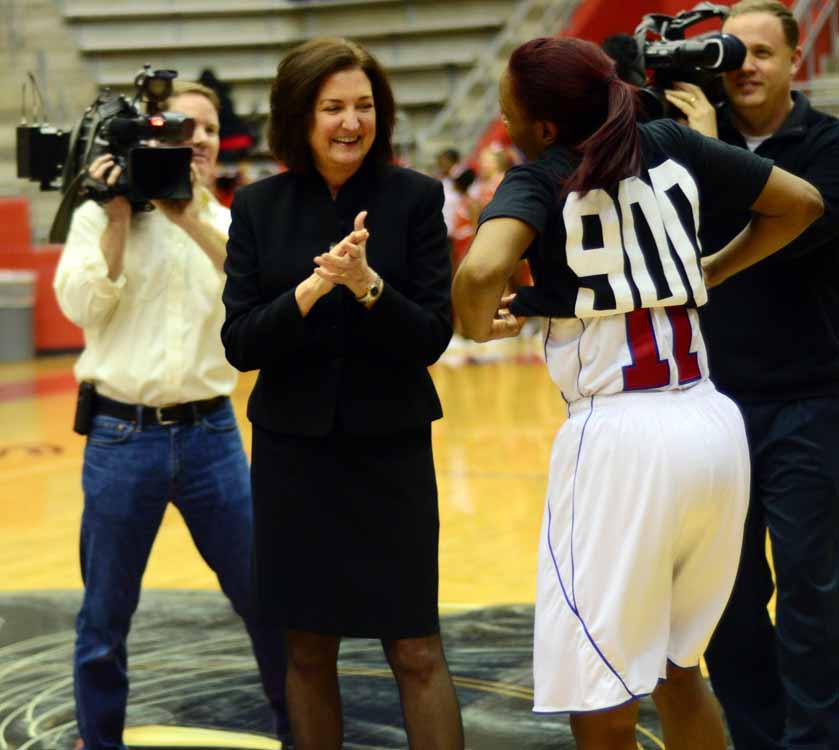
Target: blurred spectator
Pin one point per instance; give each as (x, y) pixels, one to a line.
(237, 136)
(465, 218)
(232, 176)
(447, 161)
(493, 163)
(461, 232)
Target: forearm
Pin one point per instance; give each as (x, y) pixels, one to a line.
(309, 291)
(786, 206)
(112, 243)
(210, 239)
(762, 237)
(476, 298)
(261, 335)
(482, 277)
(256, 333)
(416, 333)
(86, 300)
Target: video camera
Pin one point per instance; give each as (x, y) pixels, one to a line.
(112, 124)
(659, 45)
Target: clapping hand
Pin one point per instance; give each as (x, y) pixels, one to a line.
(346, 262)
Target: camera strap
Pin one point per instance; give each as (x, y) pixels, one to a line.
(69, 203)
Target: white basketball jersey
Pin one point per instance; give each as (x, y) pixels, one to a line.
(647, 258)
(647, 349)
(617, 272)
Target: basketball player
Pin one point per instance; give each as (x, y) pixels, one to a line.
(649, 476)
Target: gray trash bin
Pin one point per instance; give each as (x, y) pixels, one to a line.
(17, 300)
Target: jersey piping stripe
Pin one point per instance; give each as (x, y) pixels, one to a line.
(572, 601)
(574, 507)
(545, 349)
(546, 336)
(580, 356)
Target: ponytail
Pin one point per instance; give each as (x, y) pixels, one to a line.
(613, 151)
(572, 84)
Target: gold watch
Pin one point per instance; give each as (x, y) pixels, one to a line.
(373, 291)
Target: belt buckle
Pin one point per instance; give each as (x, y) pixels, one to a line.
(158, 412)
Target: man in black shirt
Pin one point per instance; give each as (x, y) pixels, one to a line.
(773, 340)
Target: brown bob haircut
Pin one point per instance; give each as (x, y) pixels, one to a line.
(300, 75)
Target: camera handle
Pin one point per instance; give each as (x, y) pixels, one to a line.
(673, 27)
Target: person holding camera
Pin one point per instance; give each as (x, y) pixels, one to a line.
(773, 343)
(154, 403)
(648, 482)
(338, 292)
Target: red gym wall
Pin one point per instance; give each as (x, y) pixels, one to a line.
(596, 19)
(53, 332)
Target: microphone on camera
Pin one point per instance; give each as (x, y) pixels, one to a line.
(716, 51)
(628, 57)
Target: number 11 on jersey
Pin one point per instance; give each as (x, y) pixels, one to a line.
(648, 369)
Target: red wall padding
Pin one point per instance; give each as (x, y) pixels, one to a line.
(52, 330)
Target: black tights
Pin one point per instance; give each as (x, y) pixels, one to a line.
(429, 704)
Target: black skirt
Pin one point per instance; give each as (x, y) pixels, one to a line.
(346, 533)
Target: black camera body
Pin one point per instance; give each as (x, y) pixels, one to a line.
(41, 152)
(148, 172)
(660, 46)
(115, 125)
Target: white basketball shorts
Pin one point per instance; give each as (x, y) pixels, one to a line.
(640, 541)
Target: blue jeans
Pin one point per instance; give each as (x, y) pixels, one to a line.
(130, 473)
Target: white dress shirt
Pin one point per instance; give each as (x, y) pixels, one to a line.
(152, 336)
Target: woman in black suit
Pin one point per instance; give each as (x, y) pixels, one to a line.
(338, 292)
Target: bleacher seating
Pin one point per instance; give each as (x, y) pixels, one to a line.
(425, 45)
(443, 56)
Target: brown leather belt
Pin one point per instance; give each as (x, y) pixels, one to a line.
(160, 415)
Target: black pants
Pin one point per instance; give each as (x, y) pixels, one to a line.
(779, 686)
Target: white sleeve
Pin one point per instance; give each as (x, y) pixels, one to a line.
(84, 292)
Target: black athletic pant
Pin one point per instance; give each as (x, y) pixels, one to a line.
(779, 686)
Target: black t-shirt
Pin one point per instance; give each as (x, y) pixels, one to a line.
(633, 246)
(773, 329)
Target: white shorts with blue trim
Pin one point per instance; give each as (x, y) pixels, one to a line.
(640, 542)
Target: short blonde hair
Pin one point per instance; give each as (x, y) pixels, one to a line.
(774, 8)
(180, 88)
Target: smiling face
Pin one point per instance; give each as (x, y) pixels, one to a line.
(759, 91)
(343, 125)
(205, 138)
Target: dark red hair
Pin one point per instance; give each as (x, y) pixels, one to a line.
(572, 83)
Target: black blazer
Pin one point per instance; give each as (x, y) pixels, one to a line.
(364, 370)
